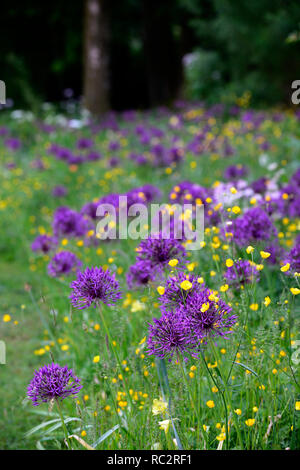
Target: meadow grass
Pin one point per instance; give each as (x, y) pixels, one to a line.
(240, 393)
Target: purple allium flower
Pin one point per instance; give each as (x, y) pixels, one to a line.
(84, 143)
(259, 186)
(90, 209)
(44, 243)
(53, 382)
(159, 251)
(114, 162)
(168, 335)
(242, 272)
(293, 258)
(94, 285)
(174, 296)
(295, 179)
(207, 315)
(255, 225)
(234, 172)
(276, 251)
(38, 164)
(140, 274)
(63, 263)
(93, 156)
(59, 191)
(13, 143)
(69, 222)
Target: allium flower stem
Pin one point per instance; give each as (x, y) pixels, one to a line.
(115, 353)
(63, 425)
(223, 398)
(226, 396)
(192, 399)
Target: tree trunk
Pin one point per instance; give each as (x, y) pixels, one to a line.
(96, 57)
(162, 54)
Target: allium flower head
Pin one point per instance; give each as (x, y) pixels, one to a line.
(174, 296)
(53, 382)
(205, 314)
(159, 251)
(44, 243)
(70, 223)
(63, 263)
(94, 285)
(240, 273)
(140, 274)
(255, 225)
(293, 258)
(168, 335)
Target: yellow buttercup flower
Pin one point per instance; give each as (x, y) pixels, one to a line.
(205, 307)
(250, 421)
(264, 254)
(186, 285)
(295, 290)
(229, 263)
(159, 406)
(249, 249)
(96, 359)
(236, 209)
(161, 290)
(285, 268)
(173, 262)
(267, 301)
(210, 404)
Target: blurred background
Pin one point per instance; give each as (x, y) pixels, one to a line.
(126, 54)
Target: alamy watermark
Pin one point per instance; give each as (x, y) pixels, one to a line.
(139, 221)
(2, 352)
(296, 94)
(2, 92)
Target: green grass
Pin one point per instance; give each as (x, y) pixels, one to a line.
(254, 364)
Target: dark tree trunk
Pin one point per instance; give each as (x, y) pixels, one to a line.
(162, 54)
(96, 56)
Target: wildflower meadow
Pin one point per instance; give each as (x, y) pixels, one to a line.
(139, 342)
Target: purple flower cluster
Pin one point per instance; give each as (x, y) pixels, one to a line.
(235, 172)
(293, 258)
(159, 251)
(205, 316)
(153, 257)
(44, 243)
(168, 335)
(67, 222)
(94, 285)
(174, 296)
(242, 272)
(53, 382)
(63, 263)
(254, 226)
(59, 191)
(140, 274)
(188, 320)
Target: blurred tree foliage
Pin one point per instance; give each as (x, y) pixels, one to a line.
(228, 47)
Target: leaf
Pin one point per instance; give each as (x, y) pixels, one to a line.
(105, 435)
(165, 389)
(40, 446)
(47, 423)
(246, 367)
(40, 426)
(58, 425)
(81, 441)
